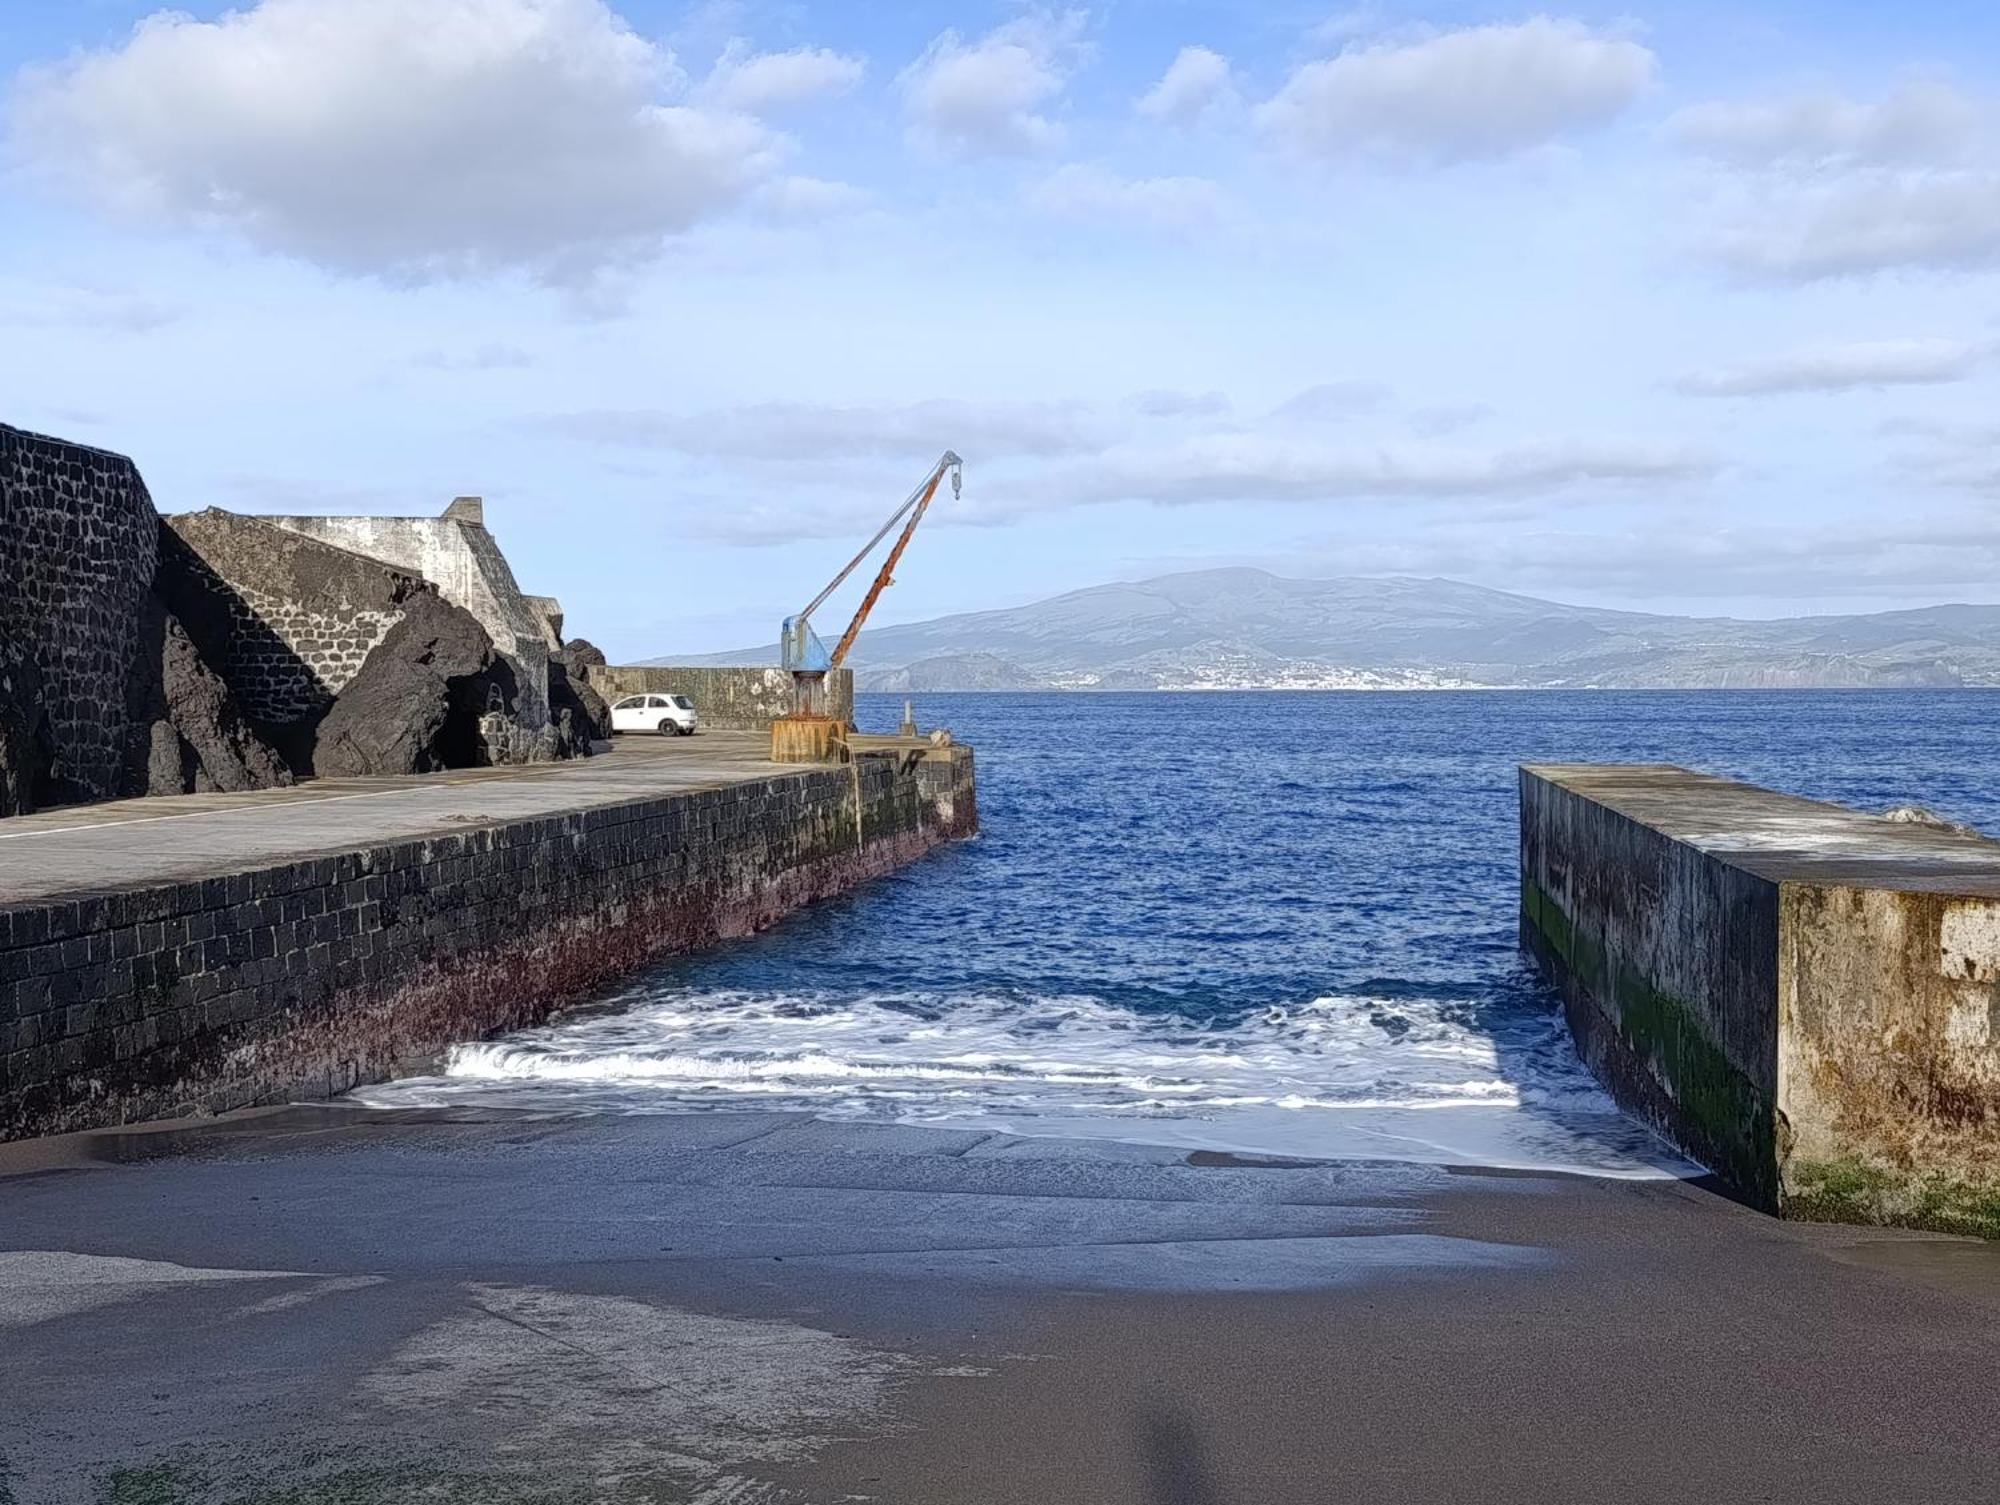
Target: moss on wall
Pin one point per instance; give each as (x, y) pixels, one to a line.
(1852, 1191)
(1714, 1111)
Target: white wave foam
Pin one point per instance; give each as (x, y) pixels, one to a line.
(1327, 1069)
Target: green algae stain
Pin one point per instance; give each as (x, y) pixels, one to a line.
(1730, 1119)
(1720, 1115)
(153, 1484)
(1852, 1191)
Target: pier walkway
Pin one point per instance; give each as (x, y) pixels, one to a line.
(140, 843)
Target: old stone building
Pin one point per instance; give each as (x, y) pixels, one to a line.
(287, 619)
(455, 552)
(211, 650)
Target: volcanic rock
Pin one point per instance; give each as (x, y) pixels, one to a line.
(184, 732)
(416, 704)
(24, 737)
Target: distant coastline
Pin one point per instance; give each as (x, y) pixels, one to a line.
(1240, 629)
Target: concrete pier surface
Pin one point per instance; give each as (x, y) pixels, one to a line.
(1803, 997)
(125, 844)
(319, 1305)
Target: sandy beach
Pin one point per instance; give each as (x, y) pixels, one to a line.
(332, 1304)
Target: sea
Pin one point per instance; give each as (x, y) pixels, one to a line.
(1278, 924)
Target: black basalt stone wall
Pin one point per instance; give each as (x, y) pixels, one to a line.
(306, 979)
(79, 540)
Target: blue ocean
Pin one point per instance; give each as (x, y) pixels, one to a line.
(1272, 923)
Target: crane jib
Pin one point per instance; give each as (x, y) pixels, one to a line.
(802, 652)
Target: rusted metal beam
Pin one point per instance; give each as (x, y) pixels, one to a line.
(886, 576)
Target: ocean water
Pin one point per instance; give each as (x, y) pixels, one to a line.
(1281, 924)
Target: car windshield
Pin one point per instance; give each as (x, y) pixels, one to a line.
(683, 702)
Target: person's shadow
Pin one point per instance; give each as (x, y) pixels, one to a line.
(1176, 1462)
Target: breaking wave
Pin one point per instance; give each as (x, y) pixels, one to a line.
(1334, 1075)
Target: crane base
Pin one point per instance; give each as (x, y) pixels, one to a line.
(808, 739)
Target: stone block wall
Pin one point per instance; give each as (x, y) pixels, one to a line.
(308, 978)
(457, 554)
(1804, 998)
(287, 620)
(78, 543)
(734, 699)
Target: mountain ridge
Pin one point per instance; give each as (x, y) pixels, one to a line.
(1244, 628)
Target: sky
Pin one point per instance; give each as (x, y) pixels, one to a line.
(1692, 307)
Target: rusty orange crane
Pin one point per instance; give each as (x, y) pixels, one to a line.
(808, 734)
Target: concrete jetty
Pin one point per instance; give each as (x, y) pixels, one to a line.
(167, 957)
(1803, 997)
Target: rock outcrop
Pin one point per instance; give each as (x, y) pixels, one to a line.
(570, 689)
(184, 732)
(24, 733)
(416, 703)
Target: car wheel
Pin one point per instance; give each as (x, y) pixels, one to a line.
(667, 727)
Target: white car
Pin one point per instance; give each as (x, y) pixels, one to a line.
(669, 715)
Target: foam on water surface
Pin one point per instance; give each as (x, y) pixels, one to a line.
(1282, 924)
(1338, 1076)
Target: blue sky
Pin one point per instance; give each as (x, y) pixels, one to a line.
(1690, 308)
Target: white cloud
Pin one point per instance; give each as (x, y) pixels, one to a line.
(1922, 122)
(787, 431)
(1483, 92)
(378, 137)
(1954, 453)
(988, 98)
(1820, 186)
(1161, 403)
(1842, 368)
(492, 357)
(76, 307)
(1332, 400)
(766, 81)
(1196, 81)
(1083, 192)
(1250, 467)
(806, 200)
(1448, 418)
(1860, 224)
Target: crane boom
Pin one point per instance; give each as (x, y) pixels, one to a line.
(800, 648)
(886, 577)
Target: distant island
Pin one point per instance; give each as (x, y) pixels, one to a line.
(1245, 629)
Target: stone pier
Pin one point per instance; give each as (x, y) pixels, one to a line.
(228, 950)
(1804, 998)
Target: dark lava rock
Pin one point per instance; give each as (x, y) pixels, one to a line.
(415, 704)
(589, 713)
(184, 731)
(24, 734)
(580, 656)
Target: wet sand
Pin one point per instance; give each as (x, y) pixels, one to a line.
(335, 1305)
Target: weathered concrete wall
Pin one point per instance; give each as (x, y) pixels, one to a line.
(738, 699)
(457, 554)
(78, 543)
(1804, 998)
(307, 978)
(1889, 1053)
(286, 619)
